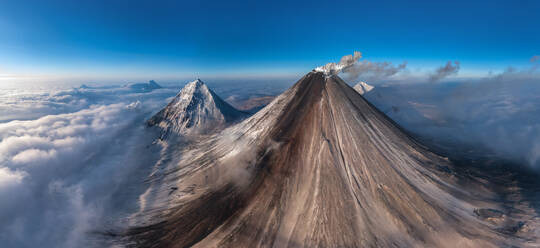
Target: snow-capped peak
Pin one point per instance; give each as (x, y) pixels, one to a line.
(193, 87)
(362, 87)
(196, 109)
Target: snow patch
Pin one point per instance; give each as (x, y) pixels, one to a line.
(362, 87)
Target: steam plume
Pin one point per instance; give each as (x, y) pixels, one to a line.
(374, 71)
(345, 62)
(370, 71)
(445, 71)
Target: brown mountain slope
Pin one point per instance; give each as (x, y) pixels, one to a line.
(318, 167)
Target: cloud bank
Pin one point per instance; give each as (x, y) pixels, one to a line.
(497, 114)
(33, 103)
(65, 175)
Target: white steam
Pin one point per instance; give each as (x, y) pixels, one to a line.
(356, 69)
(345, 62)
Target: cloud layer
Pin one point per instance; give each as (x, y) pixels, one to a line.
(33, 103)
(497, 114)
(65, 175)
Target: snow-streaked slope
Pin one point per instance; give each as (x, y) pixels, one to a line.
(363, 87)
(321, 167)
(196, 110)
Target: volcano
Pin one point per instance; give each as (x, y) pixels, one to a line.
(321, 167)
(196, 110)
(143, 87)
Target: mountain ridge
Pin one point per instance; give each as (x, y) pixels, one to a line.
(196, 109)
(319, 167)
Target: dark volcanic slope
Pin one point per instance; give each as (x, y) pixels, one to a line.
(321, 167)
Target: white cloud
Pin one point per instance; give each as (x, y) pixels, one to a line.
(498, 114)
(11, 145)
(76, 167)
(33, 155)
(9, 178)
(30, 104)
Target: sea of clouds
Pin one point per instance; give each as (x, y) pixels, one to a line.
(72, 161)
(498, 114)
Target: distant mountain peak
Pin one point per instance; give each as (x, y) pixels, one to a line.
(196, 110)
(362, 87)
(151, 85)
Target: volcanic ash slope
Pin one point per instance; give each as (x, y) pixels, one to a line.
(318, 167)
(196, 110)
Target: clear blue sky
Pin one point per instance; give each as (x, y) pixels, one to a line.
(175, 38)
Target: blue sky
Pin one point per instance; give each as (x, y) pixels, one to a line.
(152, 39)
